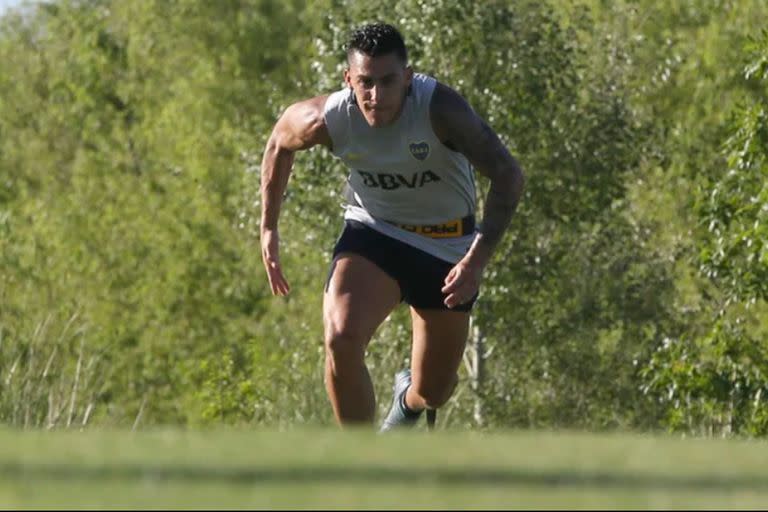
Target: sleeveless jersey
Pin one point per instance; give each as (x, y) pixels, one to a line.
(401, 172)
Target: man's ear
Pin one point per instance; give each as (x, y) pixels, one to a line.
(347, 78)
(408, 75)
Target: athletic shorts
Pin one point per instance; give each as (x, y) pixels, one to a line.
(420, 275)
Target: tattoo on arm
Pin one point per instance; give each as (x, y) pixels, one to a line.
(459, 127)
(506, 183)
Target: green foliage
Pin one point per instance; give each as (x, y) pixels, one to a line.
(715, 382)
(629, 293)
(124, 146)
(713, 385)
(736, 211)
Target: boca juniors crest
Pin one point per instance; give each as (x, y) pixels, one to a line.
(420, 150)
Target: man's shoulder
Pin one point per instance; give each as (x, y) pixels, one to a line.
(313, 105)
(450, 114)
(448, 109)
(306, 120)
(308, 112)
(446, 99)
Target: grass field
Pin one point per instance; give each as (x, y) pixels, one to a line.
(331, 469)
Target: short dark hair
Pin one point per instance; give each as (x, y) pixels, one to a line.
(376, 39)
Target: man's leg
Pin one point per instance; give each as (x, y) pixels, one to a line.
(439, 339)
(358, 298)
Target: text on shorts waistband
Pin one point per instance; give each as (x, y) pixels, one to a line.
(451, 229)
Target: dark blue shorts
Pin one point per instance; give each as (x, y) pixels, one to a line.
(420, 275)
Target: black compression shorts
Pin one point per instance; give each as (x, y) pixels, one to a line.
(420, 275)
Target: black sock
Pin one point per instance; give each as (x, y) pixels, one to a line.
(407, 411)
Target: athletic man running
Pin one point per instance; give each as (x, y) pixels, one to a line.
(409, 233)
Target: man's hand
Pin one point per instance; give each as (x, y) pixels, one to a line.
(462, 283)
(270, 254)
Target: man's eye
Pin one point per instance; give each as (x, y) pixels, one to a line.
(367, 83)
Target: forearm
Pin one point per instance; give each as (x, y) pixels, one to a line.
(500, 205)
(275, 171)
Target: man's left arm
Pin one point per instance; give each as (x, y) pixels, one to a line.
(458, 127)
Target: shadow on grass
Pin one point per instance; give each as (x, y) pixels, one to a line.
(10, 471)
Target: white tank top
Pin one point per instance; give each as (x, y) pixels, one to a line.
(401, 172)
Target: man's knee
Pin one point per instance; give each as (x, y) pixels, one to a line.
(344, 347)
(435, 393)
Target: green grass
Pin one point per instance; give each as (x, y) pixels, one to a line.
(331, 469)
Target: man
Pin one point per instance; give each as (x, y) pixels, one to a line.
(409, 235)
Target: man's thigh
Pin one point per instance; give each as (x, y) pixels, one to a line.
(439, 339)
(358, 297)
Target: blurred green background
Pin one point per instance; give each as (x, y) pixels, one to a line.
(629, 294)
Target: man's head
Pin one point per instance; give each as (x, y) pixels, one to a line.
(378, 72)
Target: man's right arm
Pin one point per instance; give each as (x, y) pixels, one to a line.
(300, 127)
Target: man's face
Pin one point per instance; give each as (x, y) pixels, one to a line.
(380, 84)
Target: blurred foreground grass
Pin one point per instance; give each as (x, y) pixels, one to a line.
(321, 469)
